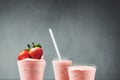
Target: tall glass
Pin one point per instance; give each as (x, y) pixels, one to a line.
(82, 72)
(60, 69)
(31, 69)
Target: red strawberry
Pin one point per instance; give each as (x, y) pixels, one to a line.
(33, 51)
(23, 54)
(36, 52)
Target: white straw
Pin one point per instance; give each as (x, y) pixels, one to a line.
(55, 44)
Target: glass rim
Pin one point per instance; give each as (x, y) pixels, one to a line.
(83, 64)
(65, 58)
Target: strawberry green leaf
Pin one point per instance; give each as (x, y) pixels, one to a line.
(33, 45)
(28, 45)
(38, 45)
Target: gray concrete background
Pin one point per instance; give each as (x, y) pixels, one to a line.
(86, 31)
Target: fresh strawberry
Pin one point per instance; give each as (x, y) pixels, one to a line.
(23, 54)
(36, 51)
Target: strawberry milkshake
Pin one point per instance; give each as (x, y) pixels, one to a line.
(82, 72)
(31, 64)
(60, 69)
(31, 69)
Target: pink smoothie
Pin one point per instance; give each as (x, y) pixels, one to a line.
(82, 72)
(60, 69)
(31, 69)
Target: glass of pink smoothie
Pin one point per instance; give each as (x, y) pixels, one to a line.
(60, 69)
(31, 69)
(82, 72)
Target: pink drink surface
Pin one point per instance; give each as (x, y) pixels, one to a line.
(31, 69)
(82, 72)
(60, 69)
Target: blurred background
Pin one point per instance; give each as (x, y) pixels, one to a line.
(85, 30)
